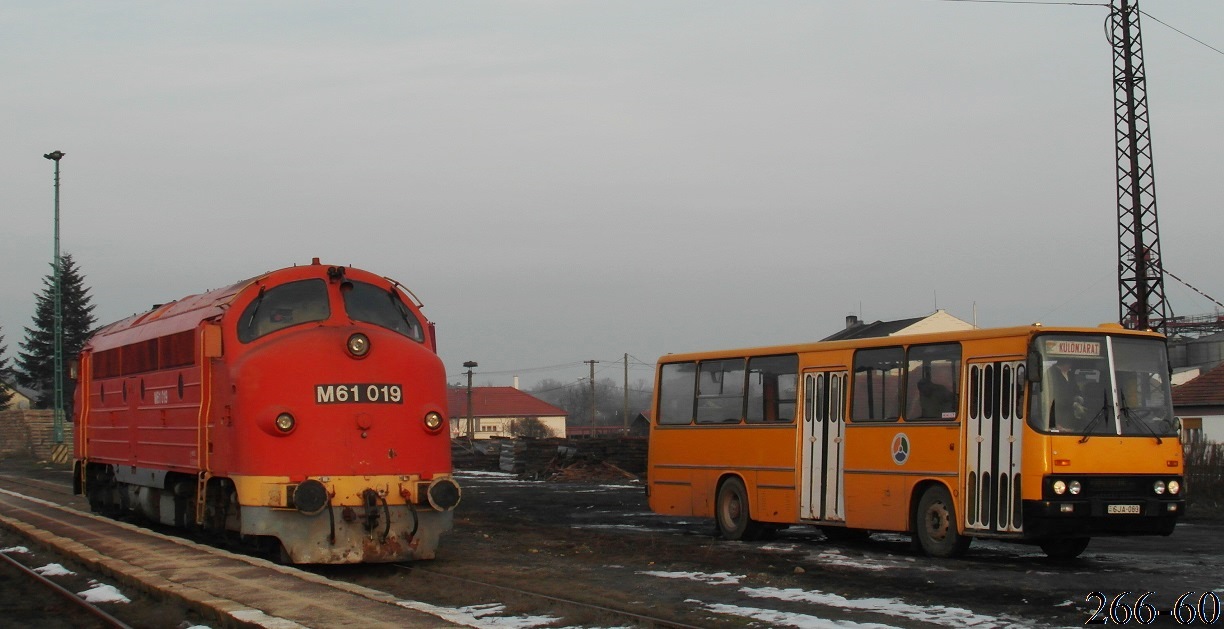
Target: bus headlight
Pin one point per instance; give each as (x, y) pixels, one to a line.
(359, 345)
(1159, 487)
(1060, 487)
(1075, 487)
(433, 421)
(285, 422)
(1174, 487)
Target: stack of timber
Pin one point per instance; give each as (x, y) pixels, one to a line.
(476, 455)
(526, 457)
(627, 453)
(597, 460)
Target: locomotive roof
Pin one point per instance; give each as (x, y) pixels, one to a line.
(187, 313)
(176, 316)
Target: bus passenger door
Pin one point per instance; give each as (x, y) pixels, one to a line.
(824, 414)
(993, 430)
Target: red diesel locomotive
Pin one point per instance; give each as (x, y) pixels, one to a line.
(304, 408)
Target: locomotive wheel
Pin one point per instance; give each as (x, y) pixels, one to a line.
(935, 524)
(1064, 549)
(731, 513)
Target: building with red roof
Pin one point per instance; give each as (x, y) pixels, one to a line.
(1200, 404)
(495, 411)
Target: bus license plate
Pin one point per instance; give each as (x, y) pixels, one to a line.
(1123, 509)
(359, 393)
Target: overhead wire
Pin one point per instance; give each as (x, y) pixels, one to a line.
(1180, 32)
(1047, 2)
(1092, 4)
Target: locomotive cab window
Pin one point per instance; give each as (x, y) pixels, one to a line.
(382, 307)
(284, 306)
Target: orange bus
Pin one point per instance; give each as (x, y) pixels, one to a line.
(1040, 435)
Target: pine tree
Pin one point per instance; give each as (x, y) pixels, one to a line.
(6, 375)
(36, 361)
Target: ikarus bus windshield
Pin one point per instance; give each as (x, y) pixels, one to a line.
(1101, 385)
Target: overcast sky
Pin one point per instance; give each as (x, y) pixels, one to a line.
(567, 181)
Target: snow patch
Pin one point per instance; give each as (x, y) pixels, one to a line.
(54, 570)
(479, 616)
(102, 593)
(936, 614)
(256, 617)
(788, 619)
(717, 578)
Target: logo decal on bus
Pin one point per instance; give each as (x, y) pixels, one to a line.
(900, 448)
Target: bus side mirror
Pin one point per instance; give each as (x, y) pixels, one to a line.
(1032, 367)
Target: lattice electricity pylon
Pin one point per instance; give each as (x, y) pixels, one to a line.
(1140, 272)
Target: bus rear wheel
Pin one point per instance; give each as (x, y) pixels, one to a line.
(1064, 549)
(935, 524)
(731, 513)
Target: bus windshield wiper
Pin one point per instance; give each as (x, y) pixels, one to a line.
(1100, 415)
(1130, 416)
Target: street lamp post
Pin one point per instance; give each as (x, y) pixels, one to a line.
(470, 428)
(57, 375)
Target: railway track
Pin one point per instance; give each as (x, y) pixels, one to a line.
(90, 615)
(492, 588)
(225, 589)
(606, 613)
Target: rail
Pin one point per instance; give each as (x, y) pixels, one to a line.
(77, 602)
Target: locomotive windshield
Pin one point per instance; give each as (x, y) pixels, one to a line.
(1102, 385)
(284, 306)
(382, 307)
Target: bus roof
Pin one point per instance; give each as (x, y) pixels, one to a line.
(908, 339)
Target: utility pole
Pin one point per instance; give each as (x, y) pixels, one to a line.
(470, 425)
(1141, 295)
(592, 363)
(625, 417)
(57, 375)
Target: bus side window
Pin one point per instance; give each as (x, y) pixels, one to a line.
(677, 384)
(933, 381)
(720, 391)
(877, 384)
(772, 386)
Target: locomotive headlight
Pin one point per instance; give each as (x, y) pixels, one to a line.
(1174, 487)
(1159, 487)
(285, 422)
(1075, 487)
(359, 345)
(433, 421)
(1060, 487)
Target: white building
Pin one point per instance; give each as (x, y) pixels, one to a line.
(496, 410)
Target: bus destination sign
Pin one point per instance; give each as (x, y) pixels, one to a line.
(1072, 348)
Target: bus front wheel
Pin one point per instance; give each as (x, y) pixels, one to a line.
(731, 513)
(935, 524)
